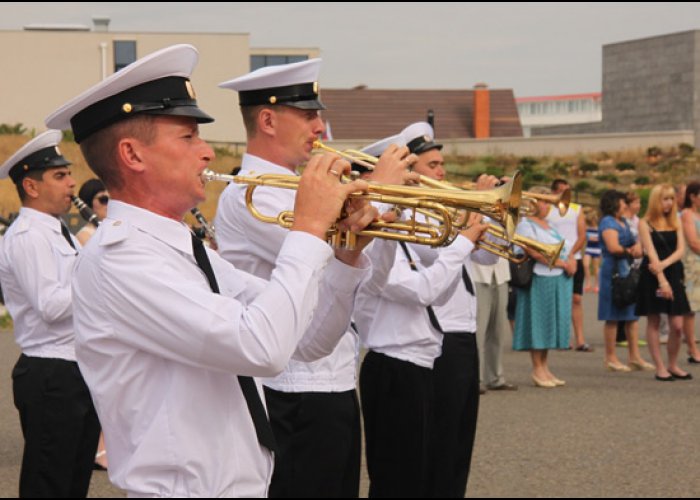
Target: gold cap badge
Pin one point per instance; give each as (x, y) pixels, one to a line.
(190, 89)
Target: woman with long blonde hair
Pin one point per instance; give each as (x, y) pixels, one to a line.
(661, 286)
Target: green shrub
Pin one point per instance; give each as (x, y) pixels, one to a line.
(495, 171)
(68, 136)
(653, 151)
(589, 167)
(5, 322)
(558, 168)
(642, 181)
(16, 129)
(535, 178)
(644, 199)
(527, 164)
(685, 149)
(583, 186)
(607, 178)
(624, 165)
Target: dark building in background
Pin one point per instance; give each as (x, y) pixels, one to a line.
(649, 85)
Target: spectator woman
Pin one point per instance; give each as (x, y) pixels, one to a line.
(690, 218)
(661, 285)
(543, 311)
(618, 247)
(631, 215)
(95, 196)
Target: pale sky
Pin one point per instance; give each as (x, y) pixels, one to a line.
(533, 48)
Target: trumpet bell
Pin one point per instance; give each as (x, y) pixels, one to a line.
(551, 252)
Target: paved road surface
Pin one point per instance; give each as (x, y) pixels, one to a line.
(603, 435)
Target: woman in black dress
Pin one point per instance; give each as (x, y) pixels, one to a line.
(661, 288)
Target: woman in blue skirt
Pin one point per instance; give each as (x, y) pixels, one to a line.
(543, 311)
(619, 248)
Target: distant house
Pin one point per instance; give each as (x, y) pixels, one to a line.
(543, 111)
(362, 113)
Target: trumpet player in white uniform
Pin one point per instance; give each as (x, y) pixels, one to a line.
(313, 406)
(424, 308)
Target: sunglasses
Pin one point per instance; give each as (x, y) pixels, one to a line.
(103, 199)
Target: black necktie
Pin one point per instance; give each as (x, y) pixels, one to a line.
(467, 281)
(66, 234)
(252, 398)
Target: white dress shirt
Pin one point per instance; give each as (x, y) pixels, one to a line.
(161, 352)
(253, 246)
(458, 314)
(567, 226)
(36, 266)
(392, 319)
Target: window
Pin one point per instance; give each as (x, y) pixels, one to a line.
(257, 62)
(124, 53)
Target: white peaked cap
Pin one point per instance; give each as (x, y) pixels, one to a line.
(157, 84)
(294, 84)
(39, 153)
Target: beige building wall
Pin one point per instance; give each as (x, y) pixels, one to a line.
(274, 51)
(43, 69)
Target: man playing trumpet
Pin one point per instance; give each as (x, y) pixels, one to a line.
(313, 406)
(419, 329)
(168, 335)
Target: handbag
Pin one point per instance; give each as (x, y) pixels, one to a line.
(625, 288)
(521, 273)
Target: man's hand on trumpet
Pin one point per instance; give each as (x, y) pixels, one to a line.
(486, 181)
(359, 213)
(321, 195)
(394, 166)
(475, 227)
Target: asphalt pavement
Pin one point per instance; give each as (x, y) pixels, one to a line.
(602, 435)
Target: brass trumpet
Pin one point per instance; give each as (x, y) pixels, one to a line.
(528, 208)
(501, 204)
(561, 201)
(549, 251)
(506, 210)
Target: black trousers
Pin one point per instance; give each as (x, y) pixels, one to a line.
(59, 425)
(397, 405)
(456, 376)
(318, 434)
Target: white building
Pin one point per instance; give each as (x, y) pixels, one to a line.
(46, 65)
(544, 111)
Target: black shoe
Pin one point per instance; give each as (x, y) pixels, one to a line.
(687, 376)
(693, 361)
(670, 378)
(96, 466)
(505, 386)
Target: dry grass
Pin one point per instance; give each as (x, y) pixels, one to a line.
(9, 201)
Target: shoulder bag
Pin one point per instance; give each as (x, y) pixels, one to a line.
(521, 272)
(625, 288)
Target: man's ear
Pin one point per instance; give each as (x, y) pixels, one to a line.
(31, 186)
(267, 121)
(128, 150)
